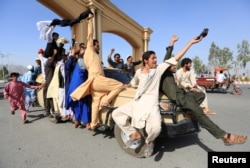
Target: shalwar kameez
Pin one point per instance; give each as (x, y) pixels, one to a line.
(53, 89)
(81, 108)
(15, 92)
(188, 79)
(144, 109)
(99, 86)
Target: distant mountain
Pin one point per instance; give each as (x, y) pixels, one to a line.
(16, 68)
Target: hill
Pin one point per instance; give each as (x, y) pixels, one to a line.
(16, 68)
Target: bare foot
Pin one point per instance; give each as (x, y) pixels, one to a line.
(88, 126)
(208, 111)
(135, 136)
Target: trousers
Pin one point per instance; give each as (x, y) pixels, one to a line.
(191, 101)
(122, 115)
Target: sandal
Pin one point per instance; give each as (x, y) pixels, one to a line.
(149, 150)
(106, 106)
(93, 128)
(234, 139)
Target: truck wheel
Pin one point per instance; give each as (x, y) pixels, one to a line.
(137, 149)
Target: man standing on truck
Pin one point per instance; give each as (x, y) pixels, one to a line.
(101, 88)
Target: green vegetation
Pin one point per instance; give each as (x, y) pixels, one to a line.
(3, 73)
(224, 58)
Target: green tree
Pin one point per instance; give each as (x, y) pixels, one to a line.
(219, 57)
(197, 64)
(4, 70)
(243, 56)
(199, 67)
(213, 56)
(3, 73)
(225, 58)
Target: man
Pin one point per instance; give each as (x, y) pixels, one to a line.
(51, 44)
(144, 109)
(102, 89)
(129, 67)
(118, 62)
(186, 80)
(220, 78)
(81, 108)
(28, 92)
(190, 101)
(96, 46)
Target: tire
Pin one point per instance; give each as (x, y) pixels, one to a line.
(136, 150)
(237, 91)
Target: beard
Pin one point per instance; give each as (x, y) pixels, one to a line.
(188, 68)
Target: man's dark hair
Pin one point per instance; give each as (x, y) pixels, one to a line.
(117, 55)
(16, 74)
(95, 41)
(55, 34)
(129, 57)
(185, 61)
(146, 56)
(82, 45)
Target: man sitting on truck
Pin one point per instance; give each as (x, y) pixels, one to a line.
(186, 79)
(190, 101)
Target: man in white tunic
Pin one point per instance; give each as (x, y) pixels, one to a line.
(144, 109)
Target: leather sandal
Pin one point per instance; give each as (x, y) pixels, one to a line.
(93, 128)
(234, 139)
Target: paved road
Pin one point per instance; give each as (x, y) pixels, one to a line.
(45, 144)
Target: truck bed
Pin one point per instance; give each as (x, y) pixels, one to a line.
(205, 82)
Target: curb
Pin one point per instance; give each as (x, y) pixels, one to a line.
(241, 83)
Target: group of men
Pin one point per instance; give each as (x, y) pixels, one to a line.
(74, 84)
(128, 67)
(143, 110)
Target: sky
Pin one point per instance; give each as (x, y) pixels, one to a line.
(227, 21)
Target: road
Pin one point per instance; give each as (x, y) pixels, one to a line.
(43, 144)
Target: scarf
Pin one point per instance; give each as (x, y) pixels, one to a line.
(149, 80)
